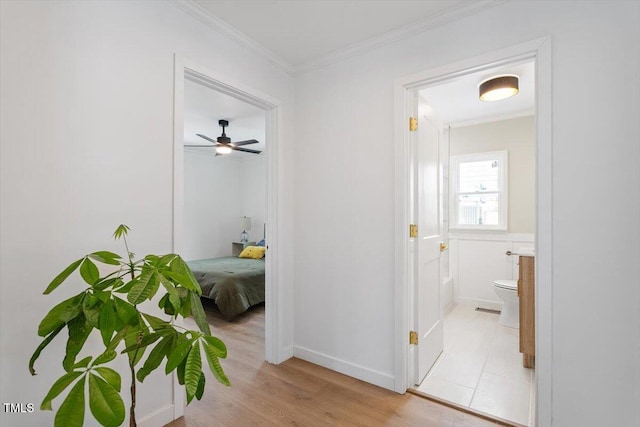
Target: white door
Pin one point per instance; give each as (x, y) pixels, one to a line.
(428, 312)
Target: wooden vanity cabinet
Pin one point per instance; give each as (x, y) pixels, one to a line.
(526, 294)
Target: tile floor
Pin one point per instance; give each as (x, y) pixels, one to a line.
(481, 367)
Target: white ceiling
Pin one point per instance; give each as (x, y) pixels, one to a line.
(300, 31)
(457, 103)
(203, 107)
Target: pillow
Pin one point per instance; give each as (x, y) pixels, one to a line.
(261, 243)
(254, 252)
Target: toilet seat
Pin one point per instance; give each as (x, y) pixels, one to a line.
(510, 285)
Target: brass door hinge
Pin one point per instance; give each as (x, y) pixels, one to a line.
(413, 337)
(443, 247)
(413, 124)
(413, 230)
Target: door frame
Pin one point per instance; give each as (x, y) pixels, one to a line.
(539, 51)
(187, 69)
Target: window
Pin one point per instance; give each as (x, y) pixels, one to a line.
(479, 191)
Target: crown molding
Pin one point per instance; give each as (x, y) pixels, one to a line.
(493, 118)
(397, 34)
(209, 19)
(403, 32)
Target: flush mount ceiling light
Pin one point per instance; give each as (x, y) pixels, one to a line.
(499, 87)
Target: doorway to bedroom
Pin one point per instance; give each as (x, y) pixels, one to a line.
(224, 207)
(225, 203)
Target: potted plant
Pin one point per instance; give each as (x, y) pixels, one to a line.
(110, 305)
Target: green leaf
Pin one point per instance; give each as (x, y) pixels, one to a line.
(132, 340)
(125, 311)
(58, 387)
(91, 308)
(200, 389)
(217, 346)
(121, 231)
(155, 322)
(146, 340)
(106, 257)
(174, 297)
(145, 288)
(71, 412)
(179, 266)
(42, 346)
(62, 276)
(192, 369)
(127, 286)
(103, 296)
(182, 280)
(105, 357)
(83, 363)
(183, 345)
(198, 314)
(79, 330)
(111, 376)
(89, 271)
(166, 305)
(114, 282)
(105, 402)
(160, 351)
(107, 322)
(60, 314)
(153, 260)
(122, 333)
(166, 259)
(214, 364)
(185, 309)
(180, 371)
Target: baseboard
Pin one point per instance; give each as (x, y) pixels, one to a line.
(158, 418)
(356, 371)
(287, 353)
(492, 305)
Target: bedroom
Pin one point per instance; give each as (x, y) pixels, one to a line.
(224, 199)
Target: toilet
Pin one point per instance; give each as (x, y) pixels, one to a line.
(507, 290)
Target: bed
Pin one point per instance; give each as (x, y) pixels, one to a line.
(233, 283)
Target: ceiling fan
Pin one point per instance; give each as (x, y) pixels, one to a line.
(223, 144)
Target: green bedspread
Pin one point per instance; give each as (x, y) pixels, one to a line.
(235, 284)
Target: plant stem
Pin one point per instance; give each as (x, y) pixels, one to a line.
(132, 410)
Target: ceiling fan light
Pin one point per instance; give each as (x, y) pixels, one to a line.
(223, 149)
(499, 87)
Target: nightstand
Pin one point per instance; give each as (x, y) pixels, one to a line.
(237, 247)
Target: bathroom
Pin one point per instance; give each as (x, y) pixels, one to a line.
(489, 218)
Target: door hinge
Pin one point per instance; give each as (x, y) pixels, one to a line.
(413, 124)
(413, 337)
(413, 230)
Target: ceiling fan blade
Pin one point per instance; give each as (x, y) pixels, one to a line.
(246, 150)
(247, 142)
(207, 138)
(200, 146)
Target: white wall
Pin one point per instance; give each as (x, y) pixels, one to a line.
(253, 186)
(477, 259)
(86, 144)
(217, 192)
(517, 137)
(344, 199)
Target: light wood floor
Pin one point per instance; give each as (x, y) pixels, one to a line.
(298, 393)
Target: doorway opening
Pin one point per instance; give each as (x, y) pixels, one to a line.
(218, 199)
(466, 357)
